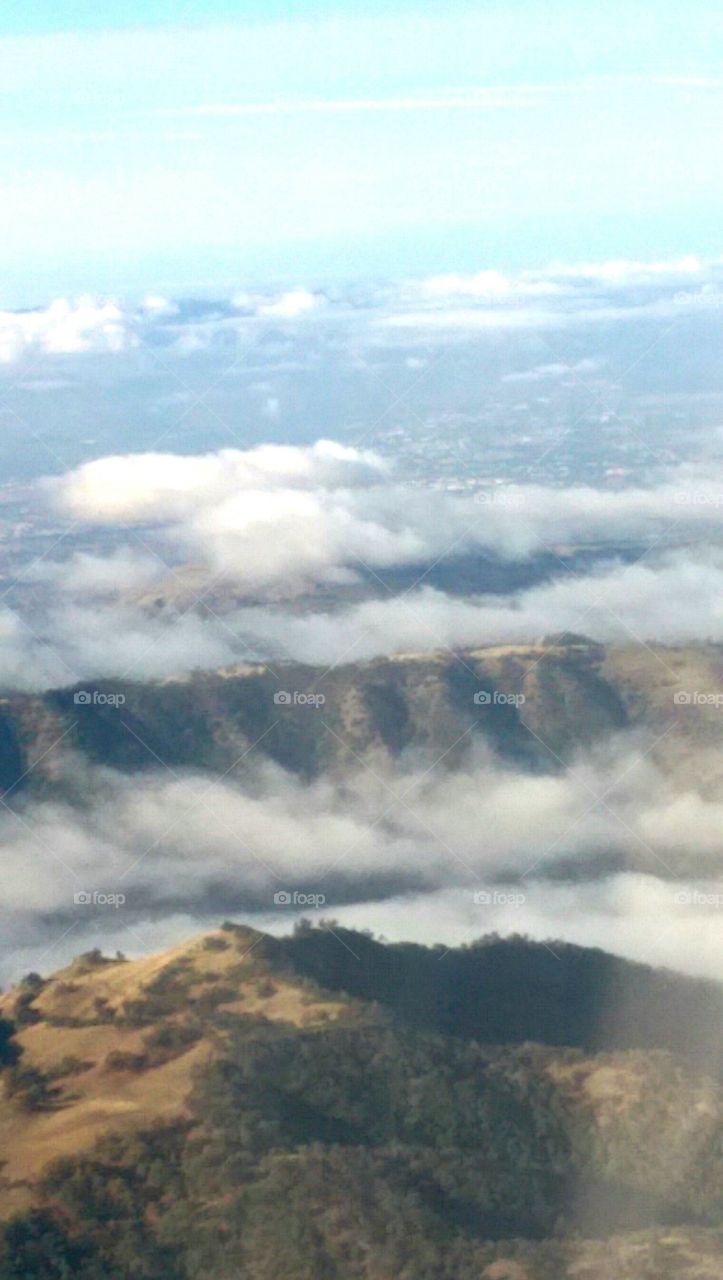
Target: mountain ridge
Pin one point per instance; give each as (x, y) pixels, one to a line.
(534, 706)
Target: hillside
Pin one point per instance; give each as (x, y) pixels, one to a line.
(238, 1106)
(576, 693)
(98, 1031)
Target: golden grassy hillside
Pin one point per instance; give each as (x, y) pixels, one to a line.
(96, 1008)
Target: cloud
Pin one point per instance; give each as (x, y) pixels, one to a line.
(250, 531)
(554, 370)
(558, 295)
(562, 279)
(298, 302)
(464, 318)
(75, 641)
(264, 514)
(148, 486)
(621, 272)
(188, 845)
(674, 599)
(156, 305)
(65, 328)
(84, 575)
(111, 327)
(488, 285)
(485, 299)
(85, 632)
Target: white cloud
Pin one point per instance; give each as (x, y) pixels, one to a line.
(163, 487)
(65, 328)
(156, 305)
(465, 318)
(298, 302)
(553, 370)
(621, 272)
(557, 295)
(486, 285)
(190, 844)
(675, 599)
(270, 523)
(255, 512)
(85, 575)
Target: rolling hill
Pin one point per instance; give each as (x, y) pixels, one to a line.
(255, 1107)
(534, 705)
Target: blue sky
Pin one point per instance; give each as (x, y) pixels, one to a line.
(42, 16)
(223, 142)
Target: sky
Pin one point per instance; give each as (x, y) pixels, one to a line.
(188, 147)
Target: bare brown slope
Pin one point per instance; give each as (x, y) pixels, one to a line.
(95, 1008)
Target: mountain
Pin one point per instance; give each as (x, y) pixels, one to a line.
(534, 705)
(328, 1106)
(192, 587)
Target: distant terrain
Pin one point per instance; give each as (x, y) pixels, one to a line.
(535, 705)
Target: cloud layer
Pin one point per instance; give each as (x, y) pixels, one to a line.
(191, 845)
(281, 510)
(555, 296)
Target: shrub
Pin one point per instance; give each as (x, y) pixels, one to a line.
(32, 981)
(31, 1088)
(68, 1066)
(209, 1000)
(104, 1012)
(122, 1060)
(9, 1050)
(30, 987)
(93, 959)
(171, 1038)
(215, 944)
(266, 988)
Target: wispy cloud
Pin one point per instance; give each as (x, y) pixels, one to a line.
(479, 98)
(452, 98)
